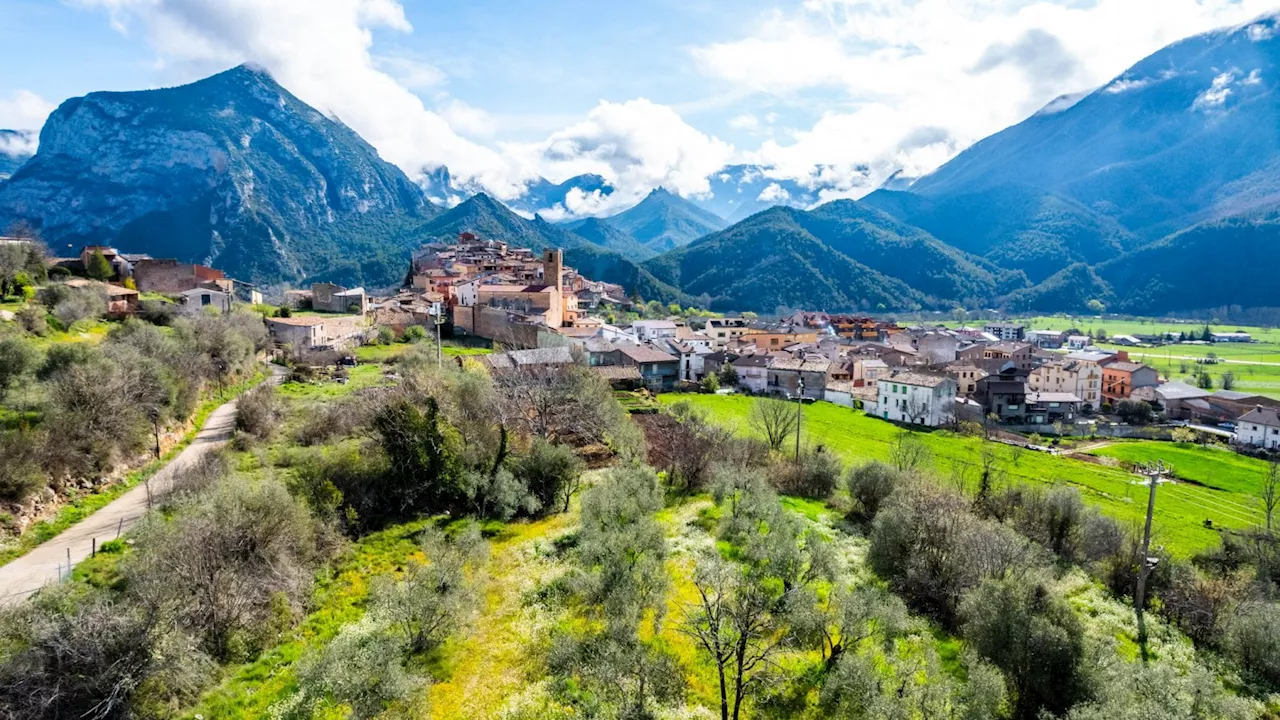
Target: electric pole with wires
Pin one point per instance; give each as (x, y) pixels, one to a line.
(1154, 473)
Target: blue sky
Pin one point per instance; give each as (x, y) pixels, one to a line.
(645, 92)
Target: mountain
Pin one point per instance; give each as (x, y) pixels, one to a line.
(740, 191)
(839, 256)
(1068, 290)
(490, 219)
(16, 147)
(232, 170)
(664, 220)
(1014, 226)
(1214, 264)
(441, 188)
(542, 194)
(1189, 134)
(603, 233)
(539, 196)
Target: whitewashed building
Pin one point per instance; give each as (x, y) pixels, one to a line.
(916, 398)
(1260, 427)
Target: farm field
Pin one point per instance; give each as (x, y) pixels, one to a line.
(1180, 513)
(1256, 365)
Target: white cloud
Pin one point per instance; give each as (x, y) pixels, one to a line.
(413, 74)
(745, 121)
(636, 145)
(1216, 95)
(468, 120)
(24, 110)
(964, 67)
(774, 193)
(1254, 78)
(1124, 85)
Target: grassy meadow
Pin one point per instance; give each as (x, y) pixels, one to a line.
(1227, 499)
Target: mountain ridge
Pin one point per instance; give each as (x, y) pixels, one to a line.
(232, 170)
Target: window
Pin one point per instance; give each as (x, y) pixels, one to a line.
(206, 299)
(1013, 407)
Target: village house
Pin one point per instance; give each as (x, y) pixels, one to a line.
(1047, 408)
(1082, 379)
(753, 371)
(659, 371)
(966, 376)
(199, 298)
(1237, 336)
(786, 374)
(1020, 354)
(1046, 339)
(723, 331)
(1005, 330)
(934, 347)
(1078, 342)
(328, 297)
(1004, 395)
(867, 370)
(313, 332)
(1119, 379)
(1260, 427)
(530, 359)
(649, 330)
(916, 398)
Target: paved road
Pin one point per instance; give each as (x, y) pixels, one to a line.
(48, 561)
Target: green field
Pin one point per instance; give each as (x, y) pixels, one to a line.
(388, 353)
(1226, 501)
(1256, 365)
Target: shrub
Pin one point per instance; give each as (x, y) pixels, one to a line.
(1135, 412)
(21, 471)
(813, 475)
(1253, 639)
(17, 358)
(710, 384)
(414, 334)
(433, 599)
(386, 335)
(80, 304)
(551, 472)
(1034, 637)
(62, 356)
(157, 312)
(869, 486)
(932, 549)
(258, 412)
(362, 669)
(33, 319)
(71, 653)
(220, 564)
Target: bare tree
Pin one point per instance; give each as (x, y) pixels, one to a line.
(908, 452)
(1270, 492)
(774, 419)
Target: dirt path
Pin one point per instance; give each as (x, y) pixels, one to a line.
(49, 561)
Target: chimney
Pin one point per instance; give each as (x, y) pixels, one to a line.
(552, 267)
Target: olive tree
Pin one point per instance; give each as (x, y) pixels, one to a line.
(434, 597)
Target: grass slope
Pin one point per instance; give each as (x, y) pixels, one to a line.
(856, 437)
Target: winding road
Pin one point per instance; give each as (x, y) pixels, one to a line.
(51, 560)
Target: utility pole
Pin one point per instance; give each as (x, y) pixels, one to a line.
(1155, 473)
(799, 407)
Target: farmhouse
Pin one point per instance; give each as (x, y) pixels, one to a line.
(1260, 427)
